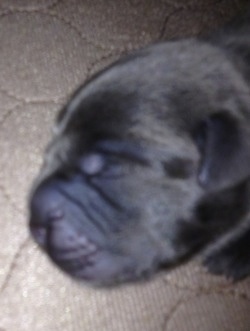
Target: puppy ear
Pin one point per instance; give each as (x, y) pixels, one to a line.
(223, 141)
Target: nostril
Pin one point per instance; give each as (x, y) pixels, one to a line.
(39, 233)
(39, 230)
(46, 206)
(39, 227)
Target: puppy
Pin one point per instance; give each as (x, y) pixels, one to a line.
(150, 164)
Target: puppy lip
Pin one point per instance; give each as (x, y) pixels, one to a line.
(76, 260)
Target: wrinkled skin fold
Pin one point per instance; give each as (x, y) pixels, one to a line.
(149, 164)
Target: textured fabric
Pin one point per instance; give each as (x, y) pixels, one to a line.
(47, 47)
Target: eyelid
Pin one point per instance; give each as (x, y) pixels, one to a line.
(122, 149)
(93, 164)
(106, 166)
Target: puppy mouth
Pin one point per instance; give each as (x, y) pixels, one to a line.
(76, 240)
(81, 258)
(68, 248)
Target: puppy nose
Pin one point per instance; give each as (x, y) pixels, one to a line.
(46, 207)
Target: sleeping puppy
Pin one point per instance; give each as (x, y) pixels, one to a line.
(150, 164)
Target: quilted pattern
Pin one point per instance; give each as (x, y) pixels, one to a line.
(47, 48)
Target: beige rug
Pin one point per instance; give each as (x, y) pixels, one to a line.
(47, 47)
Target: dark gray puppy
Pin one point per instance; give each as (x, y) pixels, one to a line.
(150, 163)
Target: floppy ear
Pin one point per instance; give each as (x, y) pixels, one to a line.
(223, 141)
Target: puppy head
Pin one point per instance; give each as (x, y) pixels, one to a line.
(137, 152)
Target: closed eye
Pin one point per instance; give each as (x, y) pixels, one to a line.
(104, 166)
(111, 158)
(122, 149)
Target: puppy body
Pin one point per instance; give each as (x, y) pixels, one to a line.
(150, 164)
